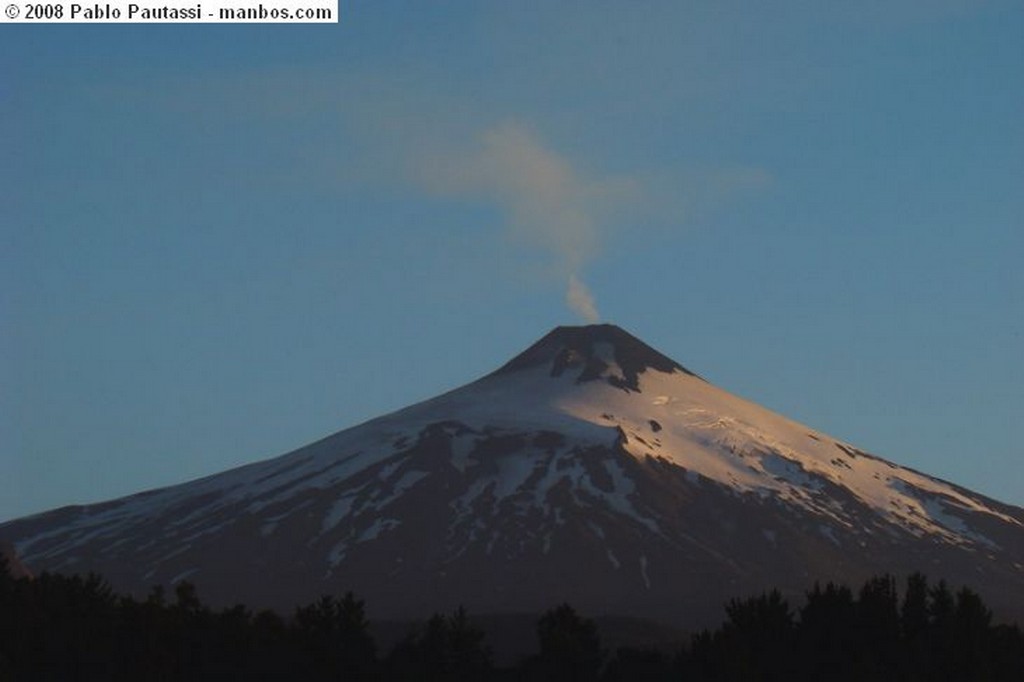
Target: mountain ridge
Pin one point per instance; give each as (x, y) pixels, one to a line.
(605, 471)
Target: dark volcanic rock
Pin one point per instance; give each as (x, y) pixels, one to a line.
(580, 348)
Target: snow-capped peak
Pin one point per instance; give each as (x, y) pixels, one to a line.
(588, 455)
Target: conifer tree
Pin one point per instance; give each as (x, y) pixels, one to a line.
(570, 647)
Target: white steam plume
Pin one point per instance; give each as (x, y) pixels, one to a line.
(547, 203)
(580, 300)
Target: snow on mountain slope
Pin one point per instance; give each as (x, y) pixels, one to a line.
(595, 465)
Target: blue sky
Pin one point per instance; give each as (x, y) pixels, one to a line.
(223, 242)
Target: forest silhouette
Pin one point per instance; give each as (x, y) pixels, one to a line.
(73, 627)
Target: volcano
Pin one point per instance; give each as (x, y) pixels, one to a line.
(590, 469)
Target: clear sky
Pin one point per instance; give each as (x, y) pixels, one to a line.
(220, 243)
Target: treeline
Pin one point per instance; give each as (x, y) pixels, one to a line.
(56, 627)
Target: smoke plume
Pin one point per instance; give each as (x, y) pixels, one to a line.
(547, 204)
(580, 300)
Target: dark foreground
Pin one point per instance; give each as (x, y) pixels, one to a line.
(56, 627)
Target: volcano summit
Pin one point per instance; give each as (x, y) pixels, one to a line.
(590, 469)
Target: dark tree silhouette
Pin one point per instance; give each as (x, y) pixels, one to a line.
(570, 648)
(755, 643)
(335, 634)
(826, 621)
(447, 648)
(55, 627)
(877, 635)
(914, 612)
